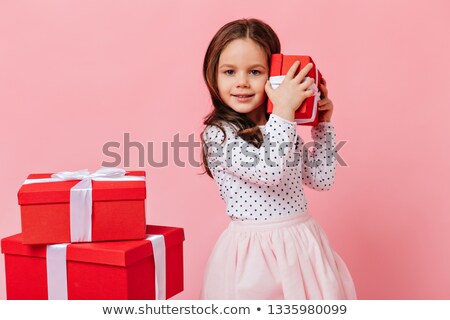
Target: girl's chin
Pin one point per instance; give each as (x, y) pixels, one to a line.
(247, 108)
(254, 114)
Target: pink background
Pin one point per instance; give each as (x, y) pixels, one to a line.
(74, 76)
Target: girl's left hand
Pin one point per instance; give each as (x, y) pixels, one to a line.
(325, 105)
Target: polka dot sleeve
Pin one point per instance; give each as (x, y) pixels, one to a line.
(263, 166)
(319, 164)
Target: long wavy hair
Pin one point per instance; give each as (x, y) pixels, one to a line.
(262, 34)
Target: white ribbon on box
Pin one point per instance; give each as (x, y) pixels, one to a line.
(57, 268)
(159, 254)
(56, 271)
(81, 196)
(275, 82)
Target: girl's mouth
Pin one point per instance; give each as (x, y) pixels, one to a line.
(243, 97)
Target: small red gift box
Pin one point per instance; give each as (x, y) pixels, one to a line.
(117, 209)
(115, 270)
(307, 113)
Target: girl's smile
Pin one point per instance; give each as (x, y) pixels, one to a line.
(244, 98)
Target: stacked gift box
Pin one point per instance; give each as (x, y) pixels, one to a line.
(84, 236)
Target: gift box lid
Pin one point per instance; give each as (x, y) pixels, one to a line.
(59, 192)
(281, 63)
(116, 253)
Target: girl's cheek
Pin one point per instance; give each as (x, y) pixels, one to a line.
(223, 81)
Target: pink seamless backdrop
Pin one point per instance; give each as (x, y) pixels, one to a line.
(75, 75)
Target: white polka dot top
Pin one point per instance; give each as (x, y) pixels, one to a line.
(267, 182)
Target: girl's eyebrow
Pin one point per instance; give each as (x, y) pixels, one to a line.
(232, 66)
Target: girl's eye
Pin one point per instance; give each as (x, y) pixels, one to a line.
(229, 72)
(255, 72)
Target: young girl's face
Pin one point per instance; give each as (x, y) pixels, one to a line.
(242, 75)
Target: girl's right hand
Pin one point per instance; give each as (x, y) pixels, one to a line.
(288, 97)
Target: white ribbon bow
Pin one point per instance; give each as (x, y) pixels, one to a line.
(56, 262)
(275, 82)
(81, 196)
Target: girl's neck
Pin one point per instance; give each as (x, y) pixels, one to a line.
(258, 116)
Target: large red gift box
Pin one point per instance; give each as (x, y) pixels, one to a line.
(307, 113)
(118, 210)
(96, 271)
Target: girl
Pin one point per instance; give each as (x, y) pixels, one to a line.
(272, 248)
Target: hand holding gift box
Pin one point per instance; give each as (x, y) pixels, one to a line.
(108, 204)
(325, 105)
(307, 113)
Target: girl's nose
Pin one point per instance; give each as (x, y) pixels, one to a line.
(242, 80)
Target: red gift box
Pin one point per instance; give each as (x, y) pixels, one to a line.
(115, 270)
(118, 210)
(307, 113)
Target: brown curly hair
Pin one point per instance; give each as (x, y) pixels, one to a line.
(262, 34)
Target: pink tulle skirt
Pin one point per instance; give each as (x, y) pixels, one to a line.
(284, 258)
